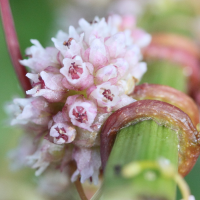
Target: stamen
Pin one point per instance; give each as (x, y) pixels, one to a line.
(61, 132)
(74, 70)
(40, 83)
(93, 22)
(108, 95)
(80, 115)
(68, 43)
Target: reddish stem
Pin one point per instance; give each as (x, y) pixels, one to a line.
(13, 45)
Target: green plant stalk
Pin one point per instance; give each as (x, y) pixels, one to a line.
(167, 18)
(145, 141)
(165, 73)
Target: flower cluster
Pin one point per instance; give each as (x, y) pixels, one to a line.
(76, 85)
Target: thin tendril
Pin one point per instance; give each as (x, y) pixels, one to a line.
(13, 45)
(182, 186)
(135, 168)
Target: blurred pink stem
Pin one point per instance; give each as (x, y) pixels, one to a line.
(80, 190)
(13, 45)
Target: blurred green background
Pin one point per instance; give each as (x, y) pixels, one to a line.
(33, 19)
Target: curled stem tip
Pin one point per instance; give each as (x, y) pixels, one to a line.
(168, 95)
(12, 44)
(163, 114)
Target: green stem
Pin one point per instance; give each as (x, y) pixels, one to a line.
(145, 141)
(165, 73)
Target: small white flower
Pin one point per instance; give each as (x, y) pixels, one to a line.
(47, 84)
(97, 29)
(78, 74)
(46, 153)
(88, 163)
(107, 73)
(98, 54)
(116, 45)
(133, 55)
(40, 58)
(81, 112)
(138, 71)
(106, 95)
(68, 45)
(30, 110)
(62, 131)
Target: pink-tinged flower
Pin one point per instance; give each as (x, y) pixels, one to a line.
(116, 45)
(141, 38)
(80, 112)
(128, 23)
(138, 70)
(78, 75)
(122, 67)
(40, 58)
(124, 101)
(113, 72)
(97, 29)
(98, 54)
(62, 131)
(30, 111)
(47, 84)
(87, 139)
(69, 45)
(106, 95)
(133, 55)
(27, 146)
(126, 85)
(88, 164)
(45, 154)
(107, 73)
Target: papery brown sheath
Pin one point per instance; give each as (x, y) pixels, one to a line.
(168, 95)
(162, 113)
